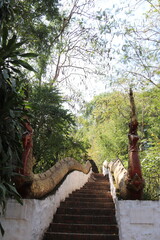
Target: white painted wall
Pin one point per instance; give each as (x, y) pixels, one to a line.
(137, 220)
(29, 222)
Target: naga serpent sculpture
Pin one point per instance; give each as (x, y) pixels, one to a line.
(31, 185)
(130, 183)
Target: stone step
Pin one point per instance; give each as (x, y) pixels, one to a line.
(78, 199)
(84, 194)
(97, 185)
(87, 214)
(83, 228)
(78, 236)
(98, 181)
(82, 219)
(99, 176)
(96, 188)
(95, 204)
(86, 211)
(92, 191)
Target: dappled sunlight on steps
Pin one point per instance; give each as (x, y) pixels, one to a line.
(87, 214)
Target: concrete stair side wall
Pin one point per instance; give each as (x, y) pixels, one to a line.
(29, 222)
(137, 220)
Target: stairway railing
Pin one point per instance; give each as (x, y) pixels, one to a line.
(42, 184)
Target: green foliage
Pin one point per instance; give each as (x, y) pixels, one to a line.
(12, 105)
(52, 126)
(11, 102)
(151, 171)
(10, 53)
(6, 11)
(39, 22)
(105, 126)
(40, 25)
(149, 118)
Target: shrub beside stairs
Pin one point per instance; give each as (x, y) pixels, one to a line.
(87, 214)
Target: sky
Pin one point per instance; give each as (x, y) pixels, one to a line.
(106, 4)
(92, 85)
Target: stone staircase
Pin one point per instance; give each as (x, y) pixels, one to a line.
(87, 214)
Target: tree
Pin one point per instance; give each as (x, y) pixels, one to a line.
(53, 126)
(142, 47)
(105, 125)
(12, 105)
(59, 33)
(135, 47)
(149, 112)
(38, 24)
(75, 48)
